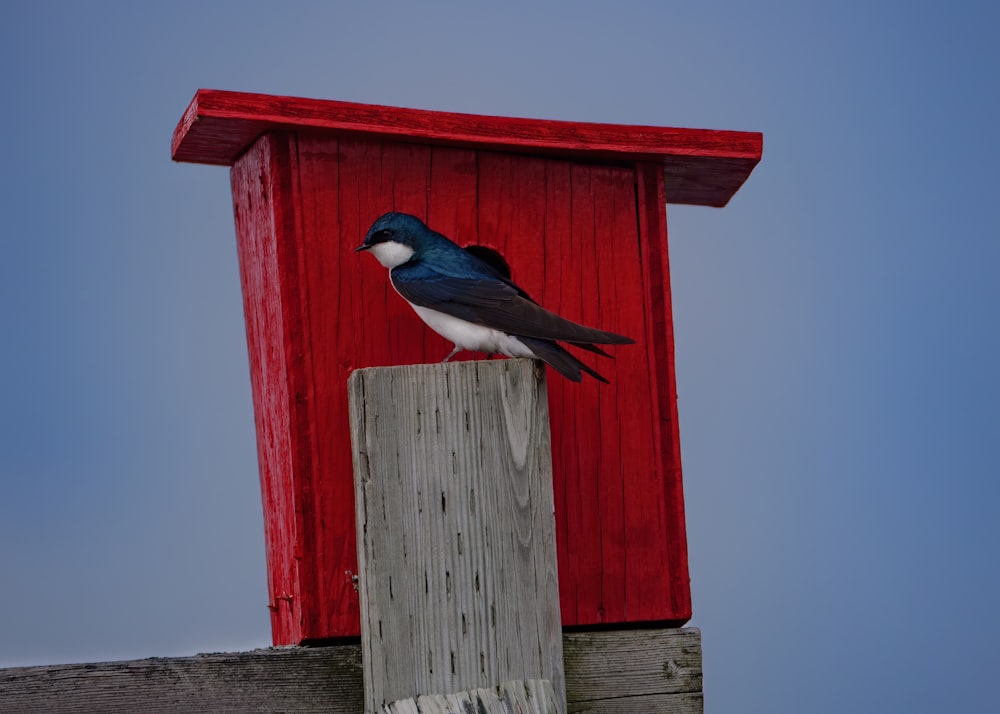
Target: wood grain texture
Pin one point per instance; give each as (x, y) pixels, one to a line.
(684, 703)
(624, 672)
(453, 481)
(575, 243)
(301, 680)
(659, 499)
(518, 697)
(315, 311)
(269, 276)
(701, 166)
(642, 662)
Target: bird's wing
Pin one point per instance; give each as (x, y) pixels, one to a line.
(490, 302)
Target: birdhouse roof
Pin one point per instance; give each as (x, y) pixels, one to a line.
(701, 166)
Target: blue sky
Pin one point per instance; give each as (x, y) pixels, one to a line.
(837, 323)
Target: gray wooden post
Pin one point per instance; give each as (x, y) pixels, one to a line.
(456, 534)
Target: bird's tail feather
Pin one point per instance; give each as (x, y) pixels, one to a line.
(559, 359)
(591, 348)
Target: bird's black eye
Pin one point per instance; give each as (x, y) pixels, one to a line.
(382, 236)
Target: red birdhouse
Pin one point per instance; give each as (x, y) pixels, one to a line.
(579, 213)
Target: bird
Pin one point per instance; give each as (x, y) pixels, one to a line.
(472, 303)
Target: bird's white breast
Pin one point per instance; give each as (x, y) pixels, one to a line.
(469, 336)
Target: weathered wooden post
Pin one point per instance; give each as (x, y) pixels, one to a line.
(456, 537)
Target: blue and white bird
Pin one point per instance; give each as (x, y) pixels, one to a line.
(471, 303)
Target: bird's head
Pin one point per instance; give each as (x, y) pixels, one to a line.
(394, 238)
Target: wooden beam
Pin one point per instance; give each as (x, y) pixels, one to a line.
(701, 166)
(650, 671)
(661, 668)
(296, 679)
(456, 532)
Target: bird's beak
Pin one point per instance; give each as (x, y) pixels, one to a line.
(361, 248)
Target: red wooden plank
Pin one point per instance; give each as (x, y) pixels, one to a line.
(636, 374)
(260, 182)
(452, 202)
(326, 280)
(702, 166)
(610, 479)
(660, 349)
(576, 290)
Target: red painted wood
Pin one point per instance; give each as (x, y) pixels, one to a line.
(586, 263)
(610, 478)
(315, 311)
(668, 491)
(703, 167)
(261, 191)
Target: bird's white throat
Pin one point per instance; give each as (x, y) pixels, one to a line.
(390, 254)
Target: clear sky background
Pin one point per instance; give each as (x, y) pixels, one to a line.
(837, 323)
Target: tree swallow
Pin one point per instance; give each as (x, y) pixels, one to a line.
(471, 303)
